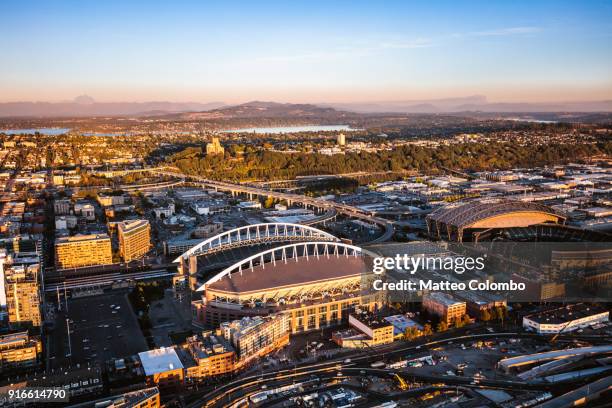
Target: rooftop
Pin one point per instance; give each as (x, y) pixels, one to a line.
(301, 272)
(159, 360)
(81, 238)
(471, 212)
(369, 319)
(566, 314)
(14, 339)
(401, 323)
(443, 298)
(413, 248)
(480, 298)
(128, 399)
(131, 225)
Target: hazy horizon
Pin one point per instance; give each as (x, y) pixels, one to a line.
(314, 102)
(306, 52)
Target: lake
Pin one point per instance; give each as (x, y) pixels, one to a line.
(530, 120)
(294, 129)
(43, 131)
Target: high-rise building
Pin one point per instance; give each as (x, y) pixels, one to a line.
(2, 291)
(214, 147)
(22, 295)
(134, 239)
(83, 250)
(341, 139)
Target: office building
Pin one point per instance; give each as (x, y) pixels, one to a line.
(134, 239)
(83, 250)
(21, 286)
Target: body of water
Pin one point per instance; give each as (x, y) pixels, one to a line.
(105, 134)
(294, 129)
(531, 120)
(42, 131)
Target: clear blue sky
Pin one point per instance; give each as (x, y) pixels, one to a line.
(305, 51)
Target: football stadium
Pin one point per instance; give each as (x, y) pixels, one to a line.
(315, 283)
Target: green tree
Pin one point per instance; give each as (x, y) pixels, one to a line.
(411, 333)
(500, 313)
(442, 327)
(269, 202)
(458, 322)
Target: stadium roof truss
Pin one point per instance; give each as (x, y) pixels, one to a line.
(258, 233)
(297, 252)
(457, 219)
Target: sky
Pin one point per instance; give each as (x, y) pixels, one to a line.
(305, 51)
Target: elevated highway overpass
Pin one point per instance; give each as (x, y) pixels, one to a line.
(290, 198)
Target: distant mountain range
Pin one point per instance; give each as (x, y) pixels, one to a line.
(476, 103)
(86, 106)
(258, 109)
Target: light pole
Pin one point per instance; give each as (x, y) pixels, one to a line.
(65, 298)
(69, 343)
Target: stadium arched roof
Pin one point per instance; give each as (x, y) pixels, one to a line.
(491, 214)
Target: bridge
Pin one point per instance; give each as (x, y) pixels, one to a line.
(107, 280)
(290, 198)
(292, 183)
(293, 252)
(152, 186)
(123, 172)
(257, 234)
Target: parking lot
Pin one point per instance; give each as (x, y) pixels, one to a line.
(473, 358)
(169, 316)
(102, 327)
